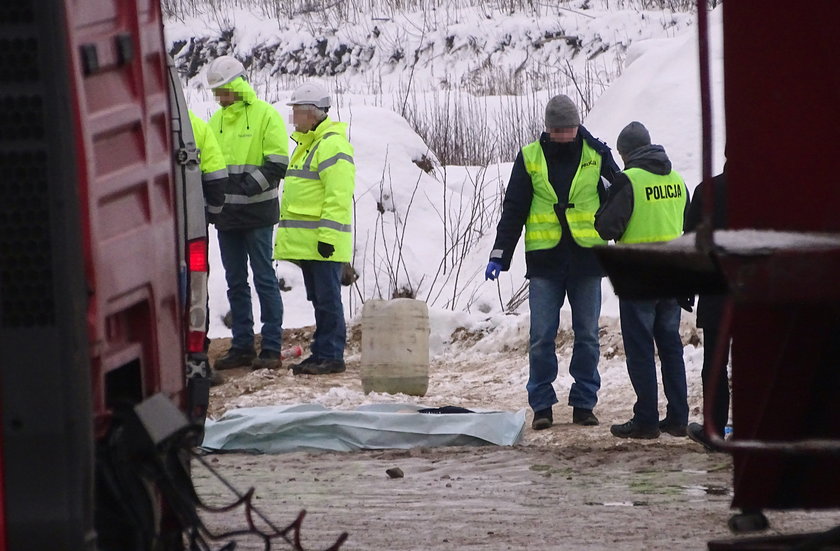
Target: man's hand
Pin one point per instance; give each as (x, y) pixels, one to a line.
(325, 249)
(493, 270)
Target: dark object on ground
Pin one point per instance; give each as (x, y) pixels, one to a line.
(394, 472)
(445, 409)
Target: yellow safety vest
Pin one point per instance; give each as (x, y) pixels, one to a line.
(658, 207)
(542, 228)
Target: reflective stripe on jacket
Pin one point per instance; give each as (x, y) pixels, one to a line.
(658, 207)
(254, 141)
(317, 203)
(214, 172)
(542, 228)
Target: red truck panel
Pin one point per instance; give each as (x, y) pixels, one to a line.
(782, 113)
(131, 262)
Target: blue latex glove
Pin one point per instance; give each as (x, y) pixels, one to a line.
(493, 270)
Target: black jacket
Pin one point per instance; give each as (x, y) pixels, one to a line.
(612, 218)
(709, 307)
(562, 161)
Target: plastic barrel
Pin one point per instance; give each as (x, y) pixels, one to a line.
(395, 346)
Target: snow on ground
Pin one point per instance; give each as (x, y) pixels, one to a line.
(401, 237)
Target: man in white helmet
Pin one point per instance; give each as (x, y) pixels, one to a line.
(316, 221)
(253, 139)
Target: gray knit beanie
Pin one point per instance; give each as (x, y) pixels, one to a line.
(634, 136)
(561, 112)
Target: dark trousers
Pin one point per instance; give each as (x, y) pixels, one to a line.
(322, 279)
(720, 406)
(238, 248)
(648, 326)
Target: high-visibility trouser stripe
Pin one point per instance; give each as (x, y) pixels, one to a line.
(215, 175)
(282, 159)
(541, 218)
(236, 199)
(316, 224)
(326, 163)
(214, 210)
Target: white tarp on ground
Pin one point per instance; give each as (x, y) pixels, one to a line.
(279, 429)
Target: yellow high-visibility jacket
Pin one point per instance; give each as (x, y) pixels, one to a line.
(317, 202)
(254, 141)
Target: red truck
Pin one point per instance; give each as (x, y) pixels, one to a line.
(103, 279)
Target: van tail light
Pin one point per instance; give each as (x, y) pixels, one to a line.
(197, 254)
(198, 271)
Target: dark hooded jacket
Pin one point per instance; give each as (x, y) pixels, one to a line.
(567, 256)
(709, 307)
(612, 218)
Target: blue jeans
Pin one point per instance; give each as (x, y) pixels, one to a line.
(545, 297)
(643, 324)
(322, 279)
(237, 247)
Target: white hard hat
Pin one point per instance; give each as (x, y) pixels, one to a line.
(310, 94)
(223, 70)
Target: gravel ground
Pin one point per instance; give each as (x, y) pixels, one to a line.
(567, 487)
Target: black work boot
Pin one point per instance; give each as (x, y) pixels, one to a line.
(319, 367)
(631, 429)
(584, 417)
(674, 429)
(235, 357)
(268, 359)
(697, 432)
(543, 419)
(308, 360)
